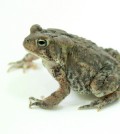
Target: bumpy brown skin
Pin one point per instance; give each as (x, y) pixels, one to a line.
(75, 63)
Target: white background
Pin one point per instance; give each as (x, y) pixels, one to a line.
(97, 20)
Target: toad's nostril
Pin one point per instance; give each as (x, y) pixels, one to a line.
(27, 40)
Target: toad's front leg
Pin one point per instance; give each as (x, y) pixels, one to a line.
(56, 97)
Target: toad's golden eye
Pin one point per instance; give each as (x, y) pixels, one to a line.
(41, 43)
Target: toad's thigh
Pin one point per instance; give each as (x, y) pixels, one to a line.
(104, 84)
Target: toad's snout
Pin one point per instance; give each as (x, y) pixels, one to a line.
(29, 45)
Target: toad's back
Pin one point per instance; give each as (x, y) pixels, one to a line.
(82, 44)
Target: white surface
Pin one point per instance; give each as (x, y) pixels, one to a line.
(97, 20)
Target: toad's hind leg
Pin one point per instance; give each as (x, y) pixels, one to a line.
(100, 102)
(105, 86)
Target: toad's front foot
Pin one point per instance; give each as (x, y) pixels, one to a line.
(22, 64)
(38, 103)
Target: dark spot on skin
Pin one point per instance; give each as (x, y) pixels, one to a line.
(48, 54)
(70, 76)
(57, 71)
(75, 86)
(74, 83)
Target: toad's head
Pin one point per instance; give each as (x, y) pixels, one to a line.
(50, 44)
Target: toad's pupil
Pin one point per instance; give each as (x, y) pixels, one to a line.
(41, 42)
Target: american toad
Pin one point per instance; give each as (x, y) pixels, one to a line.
(76, 63)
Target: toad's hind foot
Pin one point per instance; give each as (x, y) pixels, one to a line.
(99, 103)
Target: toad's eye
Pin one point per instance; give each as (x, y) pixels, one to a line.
(41, 43)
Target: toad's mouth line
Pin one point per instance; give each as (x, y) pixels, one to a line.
(41, 56)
